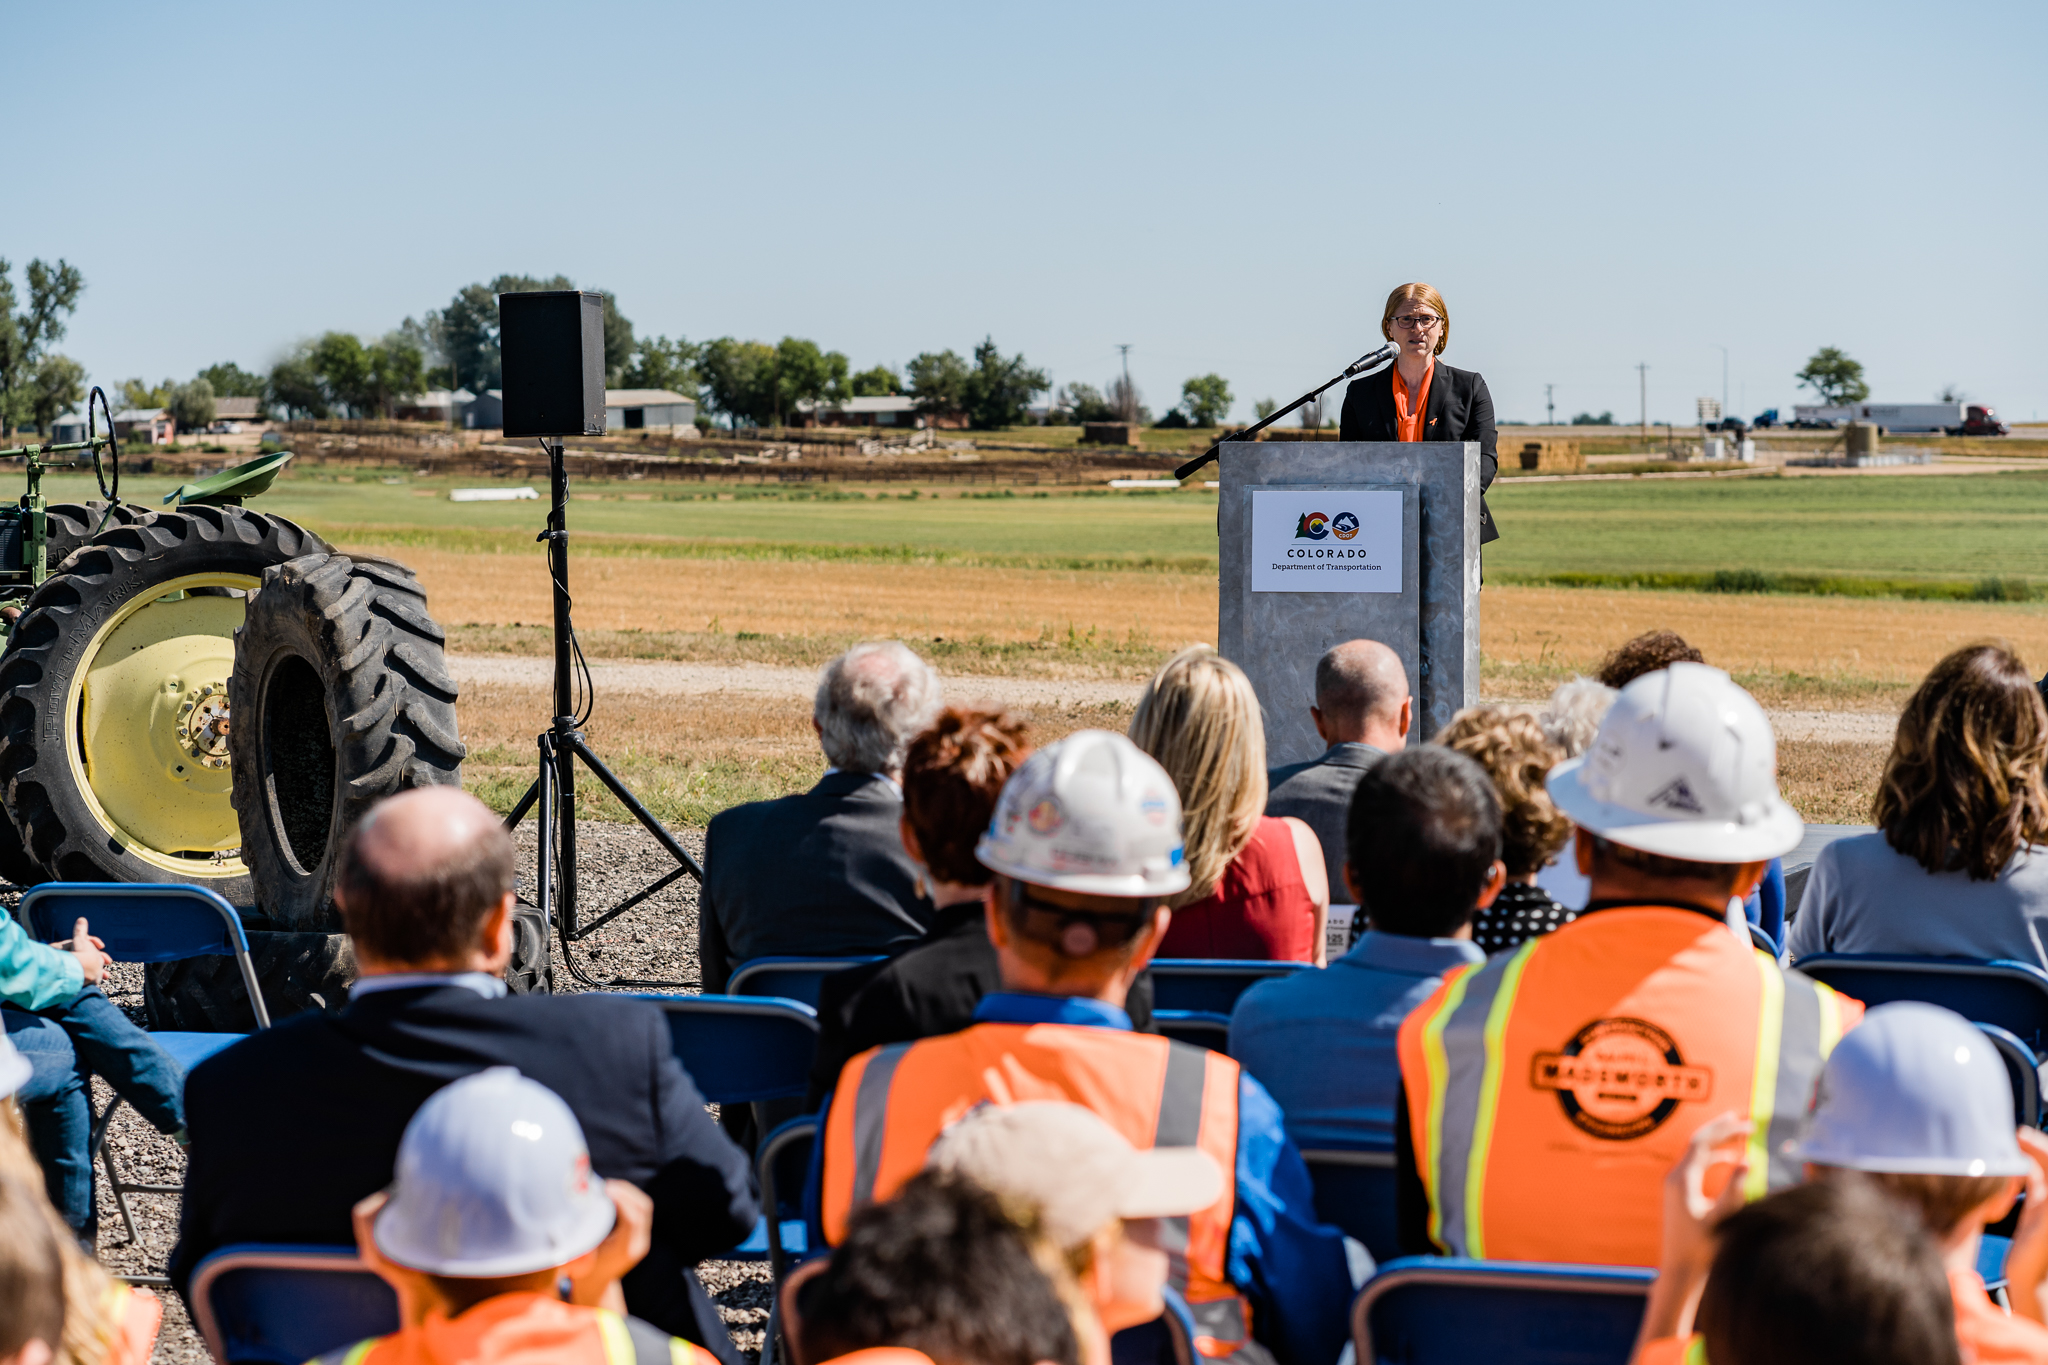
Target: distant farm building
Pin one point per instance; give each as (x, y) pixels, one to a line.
(434, 406)
(648, 410)
(146, 426)
(486, 410)
(237, 410)
(892, 410)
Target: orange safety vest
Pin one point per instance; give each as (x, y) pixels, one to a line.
(1552, 1087)
(893, 1102)
(524, 1329)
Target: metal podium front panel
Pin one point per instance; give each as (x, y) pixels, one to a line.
(1432, 622)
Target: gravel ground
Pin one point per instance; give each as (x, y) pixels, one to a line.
(654, 941)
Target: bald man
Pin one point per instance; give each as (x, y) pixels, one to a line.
(293, 1125)
(1363, 712)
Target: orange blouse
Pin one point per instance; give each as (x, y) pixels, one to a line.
(1407, 418)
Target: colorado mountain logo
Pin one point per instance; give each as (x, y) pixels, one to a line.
(1345, 525)
(1620, 1078)
(1676, 795)
(1312, 526)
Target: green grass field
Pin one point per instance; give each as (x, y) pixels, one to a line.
(1877, 529)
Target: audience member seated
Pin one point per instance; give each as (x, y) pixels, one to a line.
(1086, 848)
(1259, 889)
(1651, 652)
(1511, 746)
(32, 1307)
(70, 1032)
(492, 1210)
(951, 778)
(1587, 1057)
(1425, 843)
(1956, 867)
(1099, 1201)
(104, 1321)
(941, 1272)
(1570, 719)
(1917, 1101)
(292, 1126)
(1363, 712)
(823, 873)
(1834, 1271)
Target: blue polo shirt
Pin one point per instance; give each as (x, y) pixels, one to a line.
(1324, 1044)
(1295, 1271)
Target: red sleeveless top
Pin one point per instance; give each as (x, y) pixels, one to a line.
(1259, 910)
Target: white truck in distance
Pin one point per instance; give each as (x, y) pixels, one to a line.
(1952, 419)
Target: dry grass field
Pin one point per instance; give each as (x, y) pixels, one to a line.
(692, 756)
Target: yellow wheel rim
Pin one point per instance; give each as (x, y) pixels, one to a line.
(149, 731)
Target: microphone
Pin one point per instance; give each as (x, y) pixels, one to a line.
(1365, 362)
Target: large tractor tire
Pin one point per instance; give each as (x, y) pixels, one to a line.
(114, 700)
(341, 697)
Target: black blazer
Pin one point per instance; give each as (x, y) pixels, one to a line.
(1460, 409)
(293, 1125)
(821, 873)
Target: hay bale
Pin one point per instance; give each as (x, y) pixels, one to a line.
(1553, 457)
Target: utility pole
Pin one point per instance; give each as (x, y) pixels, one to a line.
(1725, 411)
(1549, 407)
(1130, 399)
(1643, 397)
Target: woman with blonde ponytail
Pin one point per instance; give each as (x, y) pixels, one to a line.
(1260, 889)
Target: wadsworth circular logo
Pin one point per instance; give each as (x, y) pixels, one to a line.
(1621, 1078)
(1313, 526)
(1345, 525)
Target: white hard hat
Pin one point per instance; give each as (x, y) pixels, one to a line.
(1918, 1089)
(1684, 766)
(1093, 814)
(493, 1179)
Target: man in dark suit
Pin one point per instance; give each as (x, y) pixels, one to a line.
(293, 1125)
(1363, 712)
(823, 873)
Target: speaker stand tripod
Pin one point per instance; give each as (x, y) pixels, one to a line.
(553, 793)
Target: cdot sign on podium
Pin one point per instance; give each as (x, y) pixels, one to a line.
(1326, 540)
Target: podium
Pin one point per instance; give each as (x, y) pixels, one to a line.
(1323, 542)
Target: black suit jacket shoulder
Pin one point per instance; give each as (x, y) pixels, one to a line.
(293, 1125)
(1460, 409)
(820, 873)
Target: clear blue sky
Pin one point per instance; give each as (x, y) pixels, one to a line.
(1228, 188)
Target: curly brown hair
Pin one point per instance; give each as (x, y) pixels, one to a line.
(1964, 786)
(1650, 652)
(952, 774)
(1517, 755)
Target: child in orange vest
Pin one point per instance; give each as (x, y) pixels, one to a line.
(501, 1246)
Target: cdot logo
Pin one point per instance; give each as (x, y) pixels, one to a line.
(1312, 526)
(1345, 525)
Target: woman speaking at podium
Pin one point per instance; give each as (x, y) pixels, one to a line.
(1418, 398)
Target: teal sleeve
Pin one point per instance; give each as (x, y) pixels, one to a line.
(33, 975)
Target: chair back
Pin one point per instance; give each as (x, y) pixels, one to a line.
(784, 1166)
(1761, 937)
(2023, 1069)
(742, 1049)
(1213, 984)
(1203, 1028)
(282, 1305)
(1355, 1192)
(789, 978)
(2012, 995)
(145, 922)
(1428, 1311)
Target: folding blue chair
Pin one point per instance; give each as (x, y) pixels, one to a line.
(282, 1305)
(1355, 1192)
(2023, 1069)
(789, 978)
(1203, 1028)
(1213, 984)
(1423, 1310)
(147, 923)
(2012, 995)
(784, 1166)
(1761, 937)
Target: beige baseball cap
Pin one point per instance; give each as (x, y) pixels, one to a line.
(1076, 1170)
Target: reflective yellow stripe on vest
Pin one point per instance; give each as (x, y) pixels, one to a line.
(1763, 1075)
(1464, 1046)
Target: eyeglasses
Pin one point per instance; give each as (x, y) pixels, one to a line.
(1417, 322)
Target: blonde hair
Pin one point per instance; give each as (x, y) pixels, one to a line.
(1200, 718)
(1425, 295)
(93, 1299)
(1517, 755)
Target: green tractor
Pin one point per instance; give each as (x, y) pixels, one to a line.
(210, 695)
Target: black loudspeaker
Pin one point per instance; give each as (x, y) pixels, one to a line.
(552, 342)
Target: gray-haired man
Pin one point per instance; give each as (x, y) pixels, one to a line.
(823, 873)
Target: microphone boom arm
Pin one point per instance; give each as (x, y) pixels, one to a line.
(1365, 362)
